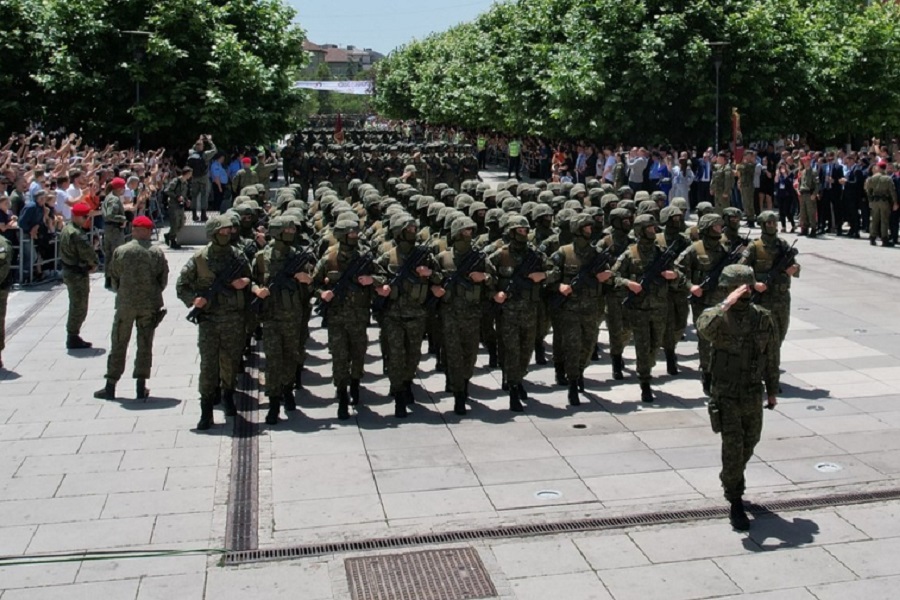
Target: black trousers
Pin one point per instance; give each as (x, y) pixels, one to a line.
(515, 163)
(701, 193)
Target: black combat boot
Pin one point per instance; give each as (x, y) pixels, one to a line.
(354, 392)
(107, 283)
(459, 403)
(646, 392)
(540, 355)
(492, 356)
(74, 342)
(707, 382)
(523, 395)
(504, 385)
(574, 400)
(400, 411)
(217, 397)
(108, 392)
(581, 383)
(618, 363)
(168, 238)
(515, 403)
(194, 216)
(671, 362)
(595, 355)
(140, 389)
(287, 398)
(206, 414)
(560, 370)
(343, 399)
(203, 218)
(228, 406)
(274, 409)
(175, 245)
(738, 516)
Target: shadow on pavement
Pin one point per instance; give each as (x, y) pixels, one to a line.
(767, 525)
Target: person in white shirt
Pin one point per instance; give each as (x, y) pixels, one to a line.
(64, 202)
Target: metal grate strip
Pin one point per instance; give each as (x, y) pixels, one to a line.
(236, 556)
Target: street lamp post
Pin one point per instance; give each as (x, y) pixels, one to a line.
(717, 48)
(140, 39)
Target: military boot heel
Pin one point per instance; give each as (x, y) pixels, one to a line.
(595, 355)
(646, 392)
(671, 362)
(540, 354)
(108, 392)
(400, 411)
(274, 410)
(560, 370)
(140, 389)
(515, 403)
(738, 516)
(206, 414)
(287, 399)
(492, 356)
(618, 364)
(354, 392)
(228, 406)
(459, 403)
(343, 398)
(574, 400)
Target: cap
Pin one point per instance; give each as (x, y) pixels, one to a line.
(246, 161)
(142, 221)
(117, 183)
(81, 209)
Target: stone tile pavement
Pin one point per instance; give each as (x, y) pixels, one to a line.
(83, 474)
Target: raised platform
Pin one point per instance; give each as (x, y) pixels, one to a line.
(192, 234)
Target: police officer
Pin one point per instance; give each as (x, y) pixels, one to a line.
(138, 272)
(744, 358)
(79, 260)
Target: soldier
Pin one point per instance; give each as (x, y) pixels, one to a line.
(78, 261)
(198, 160)
(775, 294)
(578, 319)
(282, 291)
(114, 220)
(462, 296)
(409, 267)
(6, 281)
(647, 311)
(732, 218)
(139, 273)
(177, 198)
(347, 319)
(672, 219)
(746, 172)
(619, 329)
(882, 200)
(244, 178)
(721, 183)
(518, 294)
(744, 356)
(809, 191)
(695, 263)
(221, 316)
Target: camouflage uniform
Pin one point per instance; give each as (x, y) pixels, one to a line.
(809, 188)
(677, 314)
(882, 198)
(619, 328)
(114, 222)
(744, 356)
(177, 196)
(746, 172)
(78, 259)
(720, 184)
(219, 346)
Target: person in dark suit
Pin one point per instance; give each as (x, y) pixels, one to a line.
(847, 208)
(830, 174)
(704, 170)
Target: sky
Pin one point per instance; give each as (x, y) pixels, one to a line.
(381, 25)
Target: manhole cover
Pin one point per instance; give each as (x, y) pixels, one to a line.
(828, 467)
(454, 574)
(548, 495)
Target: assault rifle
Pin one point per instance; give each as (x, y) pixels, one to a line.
(461, 277)
(221, 282)
(282, 278)
(711, 281)
(588, 274)
(519, 280)
(346, 282)
(406, 273)
(653, 274)
(784, 260)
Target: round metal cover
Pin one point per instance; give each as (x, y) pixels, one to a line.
(828, 467)
(548, 495)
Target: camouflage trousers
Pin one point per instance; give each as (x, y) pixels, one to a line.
(780, 306)
(403, 341)
(79, 288)
(577, 331)
(676, 319)
(648, 327)
(702, 342)
(176, 221)
(347, 344)
(722, 202)
(747, 202)
(489, 335)
(113, 237)
(460, 346)
(619, 327)
(808, 219)
(4, 296)
(123, 322)
(220, 343)
(517, 328)
(879, 219)
(281, 342)
(742, 421)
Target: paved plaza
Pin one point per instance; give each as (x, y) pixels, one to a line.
(80, 474)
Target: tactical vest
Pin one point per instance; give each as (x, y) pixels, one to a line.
(506, 267)
(738, 363)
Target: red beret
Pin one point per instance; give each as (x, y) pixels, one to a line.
(81, 209)
(117, 183)
(142, 221)
(246, 161)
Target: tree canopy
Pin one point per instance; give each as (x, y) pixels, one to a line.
(219, 67)
(644, 69)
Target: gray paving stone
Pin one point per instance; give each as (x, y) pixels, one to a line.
(273, 582)
(596, 465)
(79, 591)
(21, 431)
(677, 438)
(534, 558)
(42, 447)
(187, 587)
(676, 581)
(522, 495)
(170, 457)
(757, 475)
(111, 570)
(790, 594)
(871, 558)
(14, 540)
(406, 505)
(843, 424)
(813, 528)
(346, 511)
(677, 543)
(804, 447)
(427, 478)
(786, 569)
(610, 551)
(139, 504)
(577, 586)
(803, 470)
(51, 510)
(31, 576)
(598, 444)
(91, 535)
(882, 588)
(186, 527)
(638, 485)
(128, 441)
(26, 488)
(83, 484)
(78, 463)
(514, 471)
(187, 478)
(423, 456)
(869, 441)
(692, 457)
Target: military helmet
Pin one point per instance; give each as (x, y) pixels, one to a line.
(527, 207)
(680, 203)
(424, 202)
(233, 216)
(238, 200)
(493, 215)
(451, 218)
(578, 188)
(608, 199)
(579, 221)
(247, 208)
(766, 216)
(515, 222)
(617, 216)
(641, 196)
(434, 208)
(462, 201)
(732, 212)
(325, 184)
(625, 192)
(277, 225)
(736, 275)
(215, 224)
(447, 195)
(440, 187)
(575, 205)
(399, 222)
(705, 208)
(489, 193)
(658, 196)
(545, 197)
(641, 222)
(541, 210)
(250, 190)
(459, 224)
(511, 204)
(475, 207)
(646, 207)
(595, 194)
(540, 184)
(563, 216)
(565, 187)
(707, 221)
(668, 212)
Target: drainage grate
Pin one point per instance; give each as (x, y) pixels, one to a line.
(453, 574)
(853, 266)
(242, 528)
(45, 297)
(511, 531)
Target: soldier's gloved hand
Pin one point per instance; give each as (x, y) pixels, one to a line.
(240, 283)
(634, 287)
(423, 271)
(327, 296)
(384, 291)
(477, 276)
(604, 276)
(760, 287)
(537, 277)
(438, 291)
(696, 291)
(669, 275)
(565, 289)
(365, 280)
(500, 297)
(263, 293)
(303, 278)
(200, 302)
